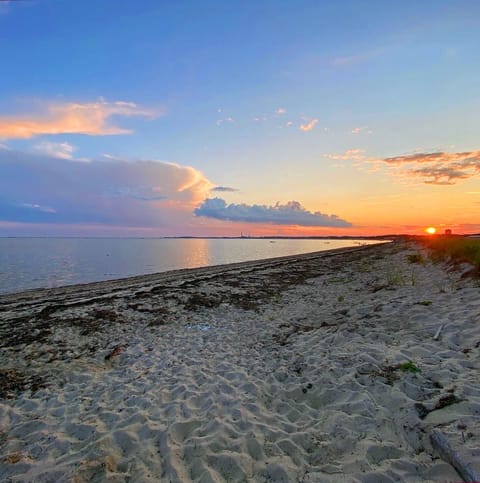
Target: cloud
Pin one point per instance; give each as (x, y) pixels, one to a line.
(224, 189)
(437, 157)
(45, 209)
(38, 188)
(440, 168)
(308, 126)
(230, 120)
(360, 130)
(358, 58)
(292, 213)
(437, 168)
(280, 111)
(56, 118)
(57, 150)
(349, 155)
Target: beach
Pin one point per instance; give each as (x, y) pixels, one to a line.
(335, 366)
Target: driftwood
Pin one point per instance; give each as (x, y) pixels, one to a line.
(437, 334)
(441, 444)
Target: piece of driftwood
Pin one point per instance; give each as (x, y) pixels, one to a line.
(437, 334)
(446, 452)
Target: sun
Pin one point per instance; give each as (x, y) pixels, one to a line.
(431, 230)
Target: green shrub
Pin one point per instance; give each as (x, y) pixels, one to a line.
(409, 367)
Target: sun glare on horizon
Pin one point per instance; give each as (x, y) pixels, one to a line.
(431, 230)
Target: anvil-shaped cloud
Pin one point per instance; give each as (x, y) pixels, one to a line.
(292, 213)
(44, 189)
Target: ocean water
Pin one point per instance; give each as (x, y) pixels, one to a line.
(27, 263)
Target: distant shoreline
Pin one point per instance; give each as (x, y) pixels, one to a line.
(392, 236)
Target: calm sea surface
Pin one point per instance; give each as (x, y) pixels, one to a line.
(27, 263)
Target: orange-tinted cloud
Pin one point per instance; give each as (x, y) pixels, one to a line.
(438, 157)
(361, 130)
(57, 118)
(308, 126)
(348, 155)
(439, 168)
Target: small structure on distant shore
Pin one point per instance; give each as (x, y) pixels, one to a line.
(448, 231)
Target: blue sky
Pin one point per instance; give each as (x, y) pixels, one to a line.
(284, 101)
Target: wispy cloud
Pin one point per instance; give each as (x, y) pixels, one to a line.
(361, 130)
(109, 192)
(308, 126)
(280, 111)
(57, 118)
(57, 150)
(227, 120)
(45, 209)
(437, 168)
(224, 189)
(291, 213)
(440, 168)
(349, 155)
(357, 58)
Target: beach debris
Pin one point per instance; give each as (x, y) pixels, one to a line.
(437, 334)
(13, 382)
(448, 454)
(422, 411)
(377, 288)
(425, 303)
(13, 458)
(202, 300)
(307, 387)
(10, 380)
(282, 338)
(114, 352)
(443, 402)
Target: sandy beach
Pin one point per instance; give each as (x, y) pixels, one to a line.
(327, 367)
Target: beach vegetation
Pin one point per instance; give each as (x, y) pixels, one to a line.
(416, 258)
(426, 303)
(366, 266)
(340, 298)
(456, 249)
(340, 280)
(413, 278)
(395, 277)
(277, 297)
(409, 367)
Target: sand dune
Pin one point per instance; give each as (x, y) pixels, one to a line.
(315, 368)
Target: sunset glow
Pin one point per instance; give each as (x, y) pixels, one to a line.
(301, 122)
(431, 230)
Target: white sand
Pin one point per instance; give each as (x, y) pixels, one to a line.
(281, 370)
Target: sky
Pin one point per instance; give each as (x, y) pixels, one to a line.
(214, 118)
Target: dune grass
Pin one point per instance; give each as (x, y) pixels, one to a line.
(454, 248)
